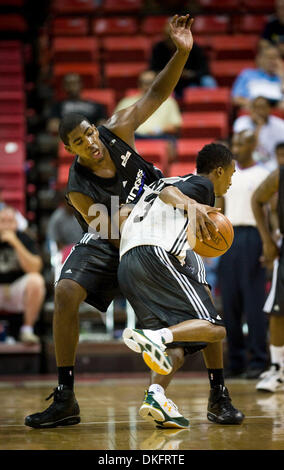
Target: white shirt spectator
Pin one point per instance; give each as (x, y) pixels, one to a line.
(269, 136)
(238, 197)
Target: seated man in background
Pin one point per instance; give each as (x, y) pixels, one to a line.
(164, 123)
(264, 80)
(22, 286)
(196, 71)
(74, 103)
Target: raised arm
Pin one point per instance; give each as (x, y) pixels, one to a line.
(127, 120)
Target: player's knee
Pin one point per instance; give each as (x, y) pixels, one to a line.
(68, 296)
(216, 332)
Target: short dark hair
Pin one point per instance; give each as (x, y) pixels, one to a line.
(68, 123)
(280, 145)
(212, 156)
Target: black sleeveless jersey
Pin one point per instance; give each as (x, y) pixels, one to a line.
(132, 173)
(281, 199)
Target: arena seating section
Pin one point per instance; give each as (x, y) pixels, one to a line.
(108, 43)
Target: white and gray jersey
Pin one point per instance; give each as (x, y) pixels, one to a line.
(152, 222)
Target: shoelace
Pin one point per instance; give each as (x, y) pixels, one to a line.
(52, 394)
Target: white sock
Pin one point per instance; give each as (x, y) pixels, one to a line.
(27, 329)
(166, 333)
(156, 388)
(277, 355)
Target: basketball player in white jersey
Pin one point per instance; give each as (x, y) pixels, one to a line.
(171, 298)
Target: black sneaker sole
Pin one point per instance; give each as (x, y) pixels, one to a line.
(215, 419)
(69, 421)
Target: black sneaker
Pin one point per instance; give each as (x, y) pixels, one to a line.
(220, 409)
(64, 411)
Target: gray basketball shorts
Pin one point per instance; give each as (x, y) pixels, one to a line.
(162, 292)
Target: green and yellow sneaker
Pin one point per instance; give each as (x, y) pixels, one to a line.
(150, 344)
(162, 411)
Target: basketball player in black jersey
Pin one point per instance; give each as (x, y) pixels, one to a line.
(106, 164)
(272, 380)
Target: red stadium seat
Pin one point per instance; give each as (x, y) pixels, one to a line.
(11, 82)
(113, 6)
(12, 102)
(16, 199)
(11, 56)
(12, 127)
(259, 6)
(181, 169)
(74, 6)
(249, 24)
(187, 149)
(64, 156)
(226, 71)
(81, 50)
(12, 178)
(126, 49)
(153, 25)
(154, 151)
(10, 44)
(235, 47)
(112, 26)
(11, 70)
(206, 99)
(121, 76)
(73, 26)
(219, 5)
(213, 125)
(105, 96)
(13, 23)
(218, 24)
(90, 74)
(62, 175)
(12, 153)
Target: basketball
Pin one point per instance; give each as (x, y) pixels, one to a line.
(219, 242)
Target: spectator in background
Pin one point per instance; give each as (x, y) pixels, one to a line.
(164, 123)
(73, 103)
(269, 130)
(242, 279)
(266, 80)
(63, 231)
(22, 223)
(273, 32)
(22, 286)
(63, 227)
(196, 70)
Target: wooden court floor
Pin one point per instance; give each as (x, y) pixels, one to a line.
(110, 420)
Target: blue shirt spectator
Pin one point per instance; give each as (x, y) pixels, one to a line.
(266, 80)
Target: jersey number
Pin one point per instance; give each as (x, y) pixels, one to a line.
(150, 199)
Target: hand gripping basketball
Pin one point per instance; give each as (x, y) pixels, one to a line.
(220, 240)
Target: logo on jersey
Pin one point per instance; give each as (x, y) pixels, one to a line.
(138, 186)
(125, 158)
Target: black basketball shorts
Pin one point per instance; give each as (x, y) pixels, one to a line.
(93, 264)
(162, 292)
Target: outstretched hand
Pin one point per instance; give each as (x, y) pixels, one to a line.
(180, 32)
